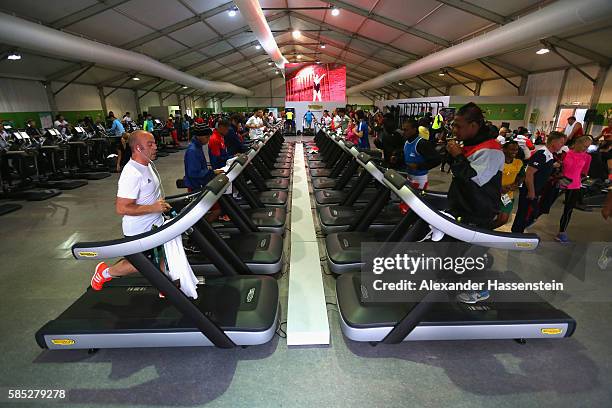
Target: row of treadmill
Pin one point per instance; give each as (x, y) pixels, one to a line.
(38, 164)
(239, 260)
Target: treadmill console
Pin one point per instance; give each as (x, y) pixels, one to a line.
(217, 184)
(396, 179)
(364, 158)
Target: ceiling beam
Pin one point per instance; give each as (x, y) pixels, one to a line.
(476, 11)
(505, 65)
(352, 51)
(177, 26)
(85, 13)
(391, 23)
(464, 74)
(360, 37)
(430, 84)
(498, 74)
(578, 50)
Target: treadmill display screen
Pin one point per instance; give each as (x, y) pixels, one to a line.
(79, 129)
(24, 135)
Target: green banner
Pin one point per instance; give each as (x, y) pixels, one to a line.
(604, 113)
(500, 111)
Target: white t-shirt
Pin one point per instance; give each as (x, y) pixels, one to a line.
(255, 121)
(138, 182)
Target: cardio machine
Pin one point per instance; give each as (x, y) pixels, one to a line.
(231, 310)
(432, 318)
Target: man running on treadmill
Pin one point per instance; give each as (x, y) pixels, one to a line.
(139, 201)
(477, 167)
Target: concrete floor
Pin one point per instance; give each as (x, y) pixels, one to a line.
(40, 279)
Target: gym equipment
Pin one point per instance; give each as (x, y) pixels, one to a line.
(230, 310)
(433, 318)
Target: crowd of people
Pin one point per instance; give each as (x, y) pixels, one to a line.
(491, 167)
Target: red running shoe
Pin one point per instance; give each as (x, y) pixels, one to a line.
(98, 279)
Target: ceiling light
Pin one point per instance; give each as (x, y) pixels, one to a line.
(258, 47)
(276, 72)
(270, 63)
(13, 56)
(400, 83)
(441, 73)
(299, 56)
(335, 11)
(322, 46)
(232, 12)
(184, 87)
(542, 51)
(317, 61)
(135, 79)
(296, 34)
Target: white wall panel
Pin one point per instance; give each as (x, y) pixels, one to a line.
(22, 96)
(499, 87)
(543, 92)
(460, 90)
(121, 101)
(606, 93)
(150, 99)
(77, 97)
(578, 88)
(358, 100)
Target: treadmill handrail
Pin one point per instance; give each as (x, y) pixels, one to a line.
(455, 229)
(190, 215)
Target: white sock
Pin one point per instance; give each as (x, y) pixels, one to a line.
(106, 273)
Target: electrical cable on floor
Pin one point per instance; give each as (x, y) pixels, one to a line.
(280, 330)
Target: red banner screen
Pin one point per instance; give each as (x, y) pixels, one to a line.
(315, 82)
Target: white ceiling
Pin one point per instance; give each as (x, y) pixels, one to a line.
(210, 42)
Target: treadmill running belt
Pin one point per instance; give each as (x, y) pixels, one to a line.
(245, 304)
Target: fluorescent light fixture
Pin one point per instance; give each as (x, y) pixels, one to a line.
(441, 73)
(335, 11)
(576, 103)
(270, 63)
(184, 87)
(135, 79)
(299, 56)
(296, 34)
(542, 51)
(13, 56)
(322, 46)
(258, 47)
(232, 12)
(317, 61)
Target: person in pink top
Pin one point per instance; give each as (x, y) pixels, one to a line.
(575, 166)
(351, 136)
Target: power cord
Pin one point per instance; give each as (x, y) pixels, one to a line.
(280, 332)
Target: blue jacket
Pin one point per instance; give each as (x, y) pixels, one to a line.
(197, 173)
(233, 145)
(117, 129)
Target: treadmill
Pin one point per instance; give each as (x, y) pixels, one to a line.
(54, 178)
(231, 310)
(433, 319)
(379, 215)
(21, 151)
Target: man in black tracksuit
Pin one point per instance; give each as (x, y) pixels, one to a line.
(475, 191)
